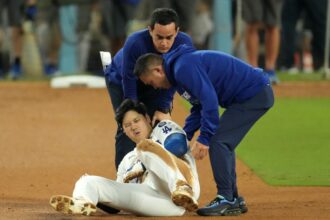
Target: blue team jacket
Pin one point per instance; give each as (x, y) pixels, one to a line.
(113, 71)
(121, 69)
(137, 44)
(209, 79)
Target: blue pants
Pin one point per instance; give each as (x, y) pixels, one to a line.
(123, 144)
(235, 122)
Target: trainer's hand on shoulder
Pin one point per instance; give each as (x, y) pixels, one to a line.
(159, 116)
(199, 150)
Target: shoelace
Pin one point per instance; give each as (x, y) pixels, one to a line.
(218, 200)
(214, 201)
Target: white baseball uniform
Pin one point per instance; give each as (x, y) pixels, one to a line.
(152, 195)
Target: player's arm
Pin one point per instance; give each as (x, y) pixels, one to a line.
(130, 169)
(122, 169)
(197, 83)
(128, 161)
(131, 51)
(193, 121)
(171, 136)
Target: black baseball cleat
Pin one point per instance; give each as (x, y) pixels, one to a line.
(242, 204)
(220, 207)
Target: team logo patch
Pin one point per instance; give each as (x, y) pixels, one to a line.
(186, 95)
(161, 124)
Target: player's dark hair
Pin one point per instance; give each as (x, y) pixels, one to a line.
(164, 16)
(129, 105)
(143, 63)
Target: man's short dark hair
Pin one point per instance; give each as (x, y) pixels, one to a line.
(145, 61)
(164, 16)
(129, 105)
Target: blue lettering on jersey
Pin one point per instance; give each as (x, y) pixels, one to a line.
(184, 94)
(166, 129)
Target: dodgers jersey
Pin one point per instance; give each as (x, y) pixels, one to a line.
(160, 134)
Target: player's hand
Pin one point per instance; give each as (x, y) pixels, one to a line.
(159, 116)
(135, 171)
(199, 150)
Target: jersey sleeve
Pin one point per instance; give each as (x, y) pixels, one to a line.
(193, 77)
(193, 121)
(166, 98)
(171, 136)
(128, 161)
(131, 52)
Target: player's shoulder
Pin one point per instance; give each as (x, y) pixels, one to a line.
(167, 127)
(182, 37)
(136, 44)
(118, 57)
(183, 34)
(137, 36)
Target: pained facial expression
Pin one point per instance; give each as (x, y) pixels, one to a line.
(163, 36)
(136, 126)
(156, 78)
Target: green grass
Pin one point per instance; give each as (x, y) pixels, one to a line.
(290, 145)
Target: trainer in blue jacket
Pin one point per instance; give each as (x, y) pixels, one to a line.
(209, 79)
(162, 36)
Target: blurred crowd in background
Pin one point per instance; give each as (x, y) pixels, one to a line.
(70, 33)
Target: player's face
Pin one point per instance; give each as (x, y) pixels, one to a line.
(136, 126)
(156, 78)
(163, 36)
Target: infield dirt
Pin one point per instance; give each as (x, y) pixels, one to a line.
(49, 138)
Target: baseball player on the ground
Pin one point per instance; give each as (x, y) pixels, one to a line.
(157, 178)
